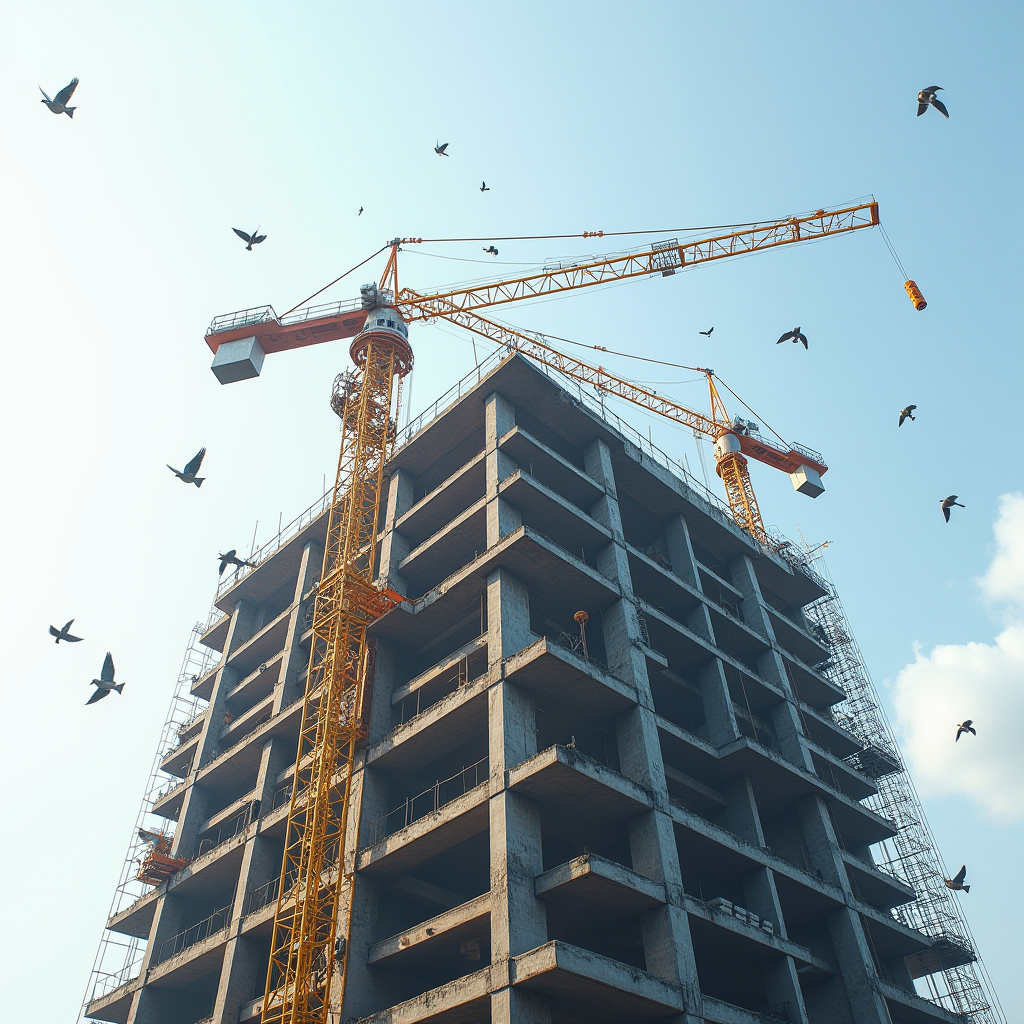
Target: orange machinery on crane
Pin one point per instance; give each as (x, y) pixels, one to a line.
(309, 949)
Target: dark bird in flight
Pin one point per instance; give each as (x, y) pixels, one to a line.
(707, 334)
(440, 147)
(793, 336)
(483, 187)
(957, 881)
(948, 503)
(105, 683)
(926, 96)
(231, 558)
(188, 474)
(63, 634)
(59, 103)
(360, 213)
(490, 249)
(250, 240)
(907, 414)
(966, 726)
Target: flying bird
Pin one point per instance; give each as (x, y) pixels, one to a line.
(360, 213)
(926, 96)
(966, 726)
(59, 103)
(707, 333)
(490, 249)
(250, 240)
(957, 881)
(63, 634)
(440, 147)
(188, 474)
(907, 414)
(793, 336)
(105, 683)
(231, 558)
(948, 503)
(483, 187)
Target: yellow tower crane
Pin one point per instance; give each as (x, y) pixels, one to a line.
(309, 951)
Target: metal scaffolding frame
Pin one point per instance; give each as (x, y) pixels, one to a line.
(119, 957)
(951, 974)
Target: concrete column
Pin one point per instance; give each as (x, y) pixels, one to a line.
(653, 851)
(499, 419)
(394, 546)
(863, 1004)
(785, 715)
(680, 551)
(518, 918)
(242, 973)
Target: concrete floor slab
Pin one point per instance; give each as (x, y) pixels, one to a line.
(438, 937)
(524, 553)
(574, 789)
(458, 820)
(591, 988)
(564, 682)
(539, 460)
(114, 1006)
(584, 883)
(466, 1000)
(908, 1008)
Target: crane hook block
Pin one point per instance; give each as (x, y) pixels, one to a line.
(915, 295)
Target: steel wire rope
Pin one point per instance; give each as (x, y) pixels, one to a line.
(892, 251)
(647, 231)
(335, 281)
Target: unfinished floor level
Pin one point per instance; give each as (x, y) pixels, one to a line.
(646, 812)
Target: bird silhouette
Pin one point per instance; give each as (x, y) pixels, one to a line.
(440, 147)
(63, 634)
(250, 240)
(707, 333)
(957, 881)
(105, 683)
(188, 474)
(926, 96)
(59, 102)
(360, 213)
(231, 558)
(965, 726)
(793, 336)
(490, 249)
(948, 503)
(483, 187)
(907, 414)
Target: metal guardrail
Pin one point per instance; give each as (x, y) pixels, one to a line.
(216, 922)
(432, 799)
(229, 829)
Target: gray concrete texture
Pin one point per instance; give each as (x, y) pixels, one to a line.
(640, 829)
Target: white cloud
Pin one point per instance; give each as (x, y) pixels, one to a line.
(981, 681)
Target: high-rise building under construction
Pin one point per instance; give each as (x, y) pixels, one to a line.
(622, 763)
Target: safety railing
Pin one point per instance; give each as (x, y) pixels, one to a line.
(432, 799)
(198, 932)
(229, 829)
(241, 318)
(285, 534)
(260, 897)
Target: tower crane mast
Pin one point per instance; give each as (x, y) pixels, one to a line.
(309, 955)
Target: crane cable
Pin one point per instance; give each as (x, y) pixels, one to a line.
(892, 250)
(335, 281)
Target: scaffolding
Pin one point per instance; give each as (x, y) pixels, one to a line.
(119, 957)
(950, 973)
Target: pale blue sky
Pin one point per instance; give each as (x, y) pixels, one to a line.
(193, 118)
